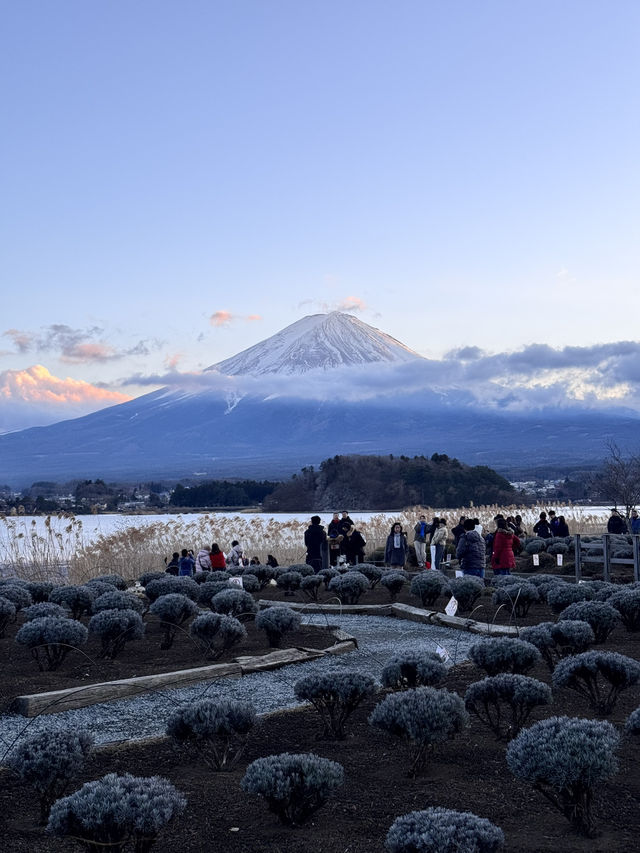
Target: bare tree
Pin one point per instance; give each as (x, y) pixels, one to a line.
(619, 479)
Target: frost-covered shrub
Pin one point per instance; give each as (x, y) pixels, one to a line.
(216, 729)
(438, 830)
(39, 590)
(219, 576)
(601, 617)
(540, 637)
(19, 596)
(117, 811)
(566, 759)
(77, 598)
(7, 614)
(147, 577)
(504, 702)
(234, 602)
(558, 548)
(572, 637)
(413, 669)
(116, 581)
(45, 608)
(170, 584)
(263, 573)
(172, 610)
(428, 587)
(289, 582)
(562, 595)
(535, 546)
(598, 676)
(517, 596)
(393, 582)
(603, 590)
(294, 786)
(371, 572)
(277, 621)
(201, 577)
(250, 582)
(504, 654)
(51, 639)
(632, 725)
(116, 628)
(97, 588)
(117, 600)
(626, 602)
(216, 632)
(424, 717)
(209, 589)
(349, 587)
(303, 569)
(327, 575)
(48, 761)
(335, 696)
(466, 591)
(311, 586)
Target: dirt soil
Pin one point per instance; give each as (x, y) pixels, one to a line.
(468, 773)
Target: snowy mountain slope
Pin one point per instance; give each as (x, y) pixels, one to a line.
(319, 341)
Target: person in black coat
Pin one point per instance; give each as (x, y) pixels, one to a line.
(354, 546)
(616, 523)
(315, 539)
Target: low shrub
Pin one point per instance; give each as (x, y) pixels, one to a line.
(44, 608)
(601, 617)
(219, 576)
(250, 582)
(558, 548)
(428, 587)
(604, 590)
(466, 591)
(626, 602)
(118, 600)
(116, 581)
(39, 590)
(562, 595)
(632, 725)
(263, 573)
(540, 637)
(209, 589)
(311, 586)
(277, 621)
(289, 582)
(504, 702)
(572, 637)
(97, 588)
(78, 599)
(413, 669)
(172, 610)
(303, 569)
(424, 716)
(504, 654)
(294, 786)
(566, 759)
(517, 596)
(216, 729)
(115, 811)
(50, 639)
(18, 595)
(147, 577)
(393, 583)
(349, 587)
(116, 628)
(170, 584)
(535, 546)
(372, 573)
(438, 830)
(327, 575)
(216, 632)
(234, 602)
(7, 614)
(48, 761)
(598, 676)
(335, 696)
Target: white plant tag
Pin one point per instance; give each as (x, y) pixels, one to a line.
(452, 607)
(442, 653)
(236, 581)
(459, 573)
(536, 559)
(559, 559)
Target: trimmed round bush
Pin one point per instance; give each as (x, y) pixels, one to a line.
(393, 582)
(303, 569)
(172, 610)
(598, 676)
(48, 761)
(504, 702)
(604, 590)
(289, 582)
(428, 587)
(219, 576)
(110, 812)
(211, 588)
(540, 637)
(116, 581)
(558, 548)
(116, 628)
(413, 669)
(566, 759)
(294, 785)
(632, 725)
(466, 591)
(335, 696)
(371, 572)
(39, 590)
(97, 588)
(327, 575)
(50, 639)
(250, 582)
(44, 608)
(277, 621)
(562, 595)
(147, 577)
(311, 586)
(263, 573)
(424, 717)
(216, 632)
(118, 600)
(349, 586)
(572, 637)
(7, 614)
(170, 584)
(234, 602)
(535, 546)
(504, 654)
(601, 617)
(77, 598)
(438, 830)
(626, 602)
(18, 595)
(517, 596)
(216, 729)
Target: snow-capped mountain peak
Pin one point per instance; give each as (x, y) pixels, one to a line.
(319, 341)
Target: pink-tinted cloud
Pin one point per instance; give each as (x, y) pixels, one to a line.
(76, 346)
(36, 385)
(351, 304)
(171, 362)
(88, 352)
(252, 318)
(225, 318)
(23, 341)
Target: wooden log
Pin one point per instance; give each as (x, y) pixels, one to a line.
(90, 694)
(314, 607)
(412, 614)
(492, 630)
(276, 659)
(342, 647)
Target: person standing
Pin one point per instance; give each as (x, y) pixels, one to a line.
(174, 564)
(458, 530)
(471, 550)
(187, 564)
(396, 548)
(354, 546)
(217, 557)
(420, 533)
(439, 540)
(335, 539)
(505, 545)
(542, 528)
(203, 559)
(315, 540)
(616, 523)
(234, 558)
(635, 522)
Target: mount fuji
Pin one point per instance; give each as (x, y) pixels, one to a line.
(327, 384)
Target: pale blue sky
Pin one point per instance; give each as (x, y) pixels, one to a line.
(467, 171)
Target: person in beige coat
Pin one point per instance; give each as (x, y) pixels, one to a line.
(438, 541)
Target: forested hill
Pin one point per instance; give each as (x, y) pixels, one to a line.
(389, 482)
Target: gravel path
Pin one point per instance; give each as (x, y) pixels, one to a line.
(144, 716)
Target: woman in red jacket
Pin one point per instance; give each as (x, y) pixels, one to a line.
(218, 560)
(505, 544)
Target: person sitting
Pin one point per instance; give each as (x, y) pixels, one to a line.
(254, 561)
(271, 561)
(187, 564)
(218, 559)
(174, 564)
